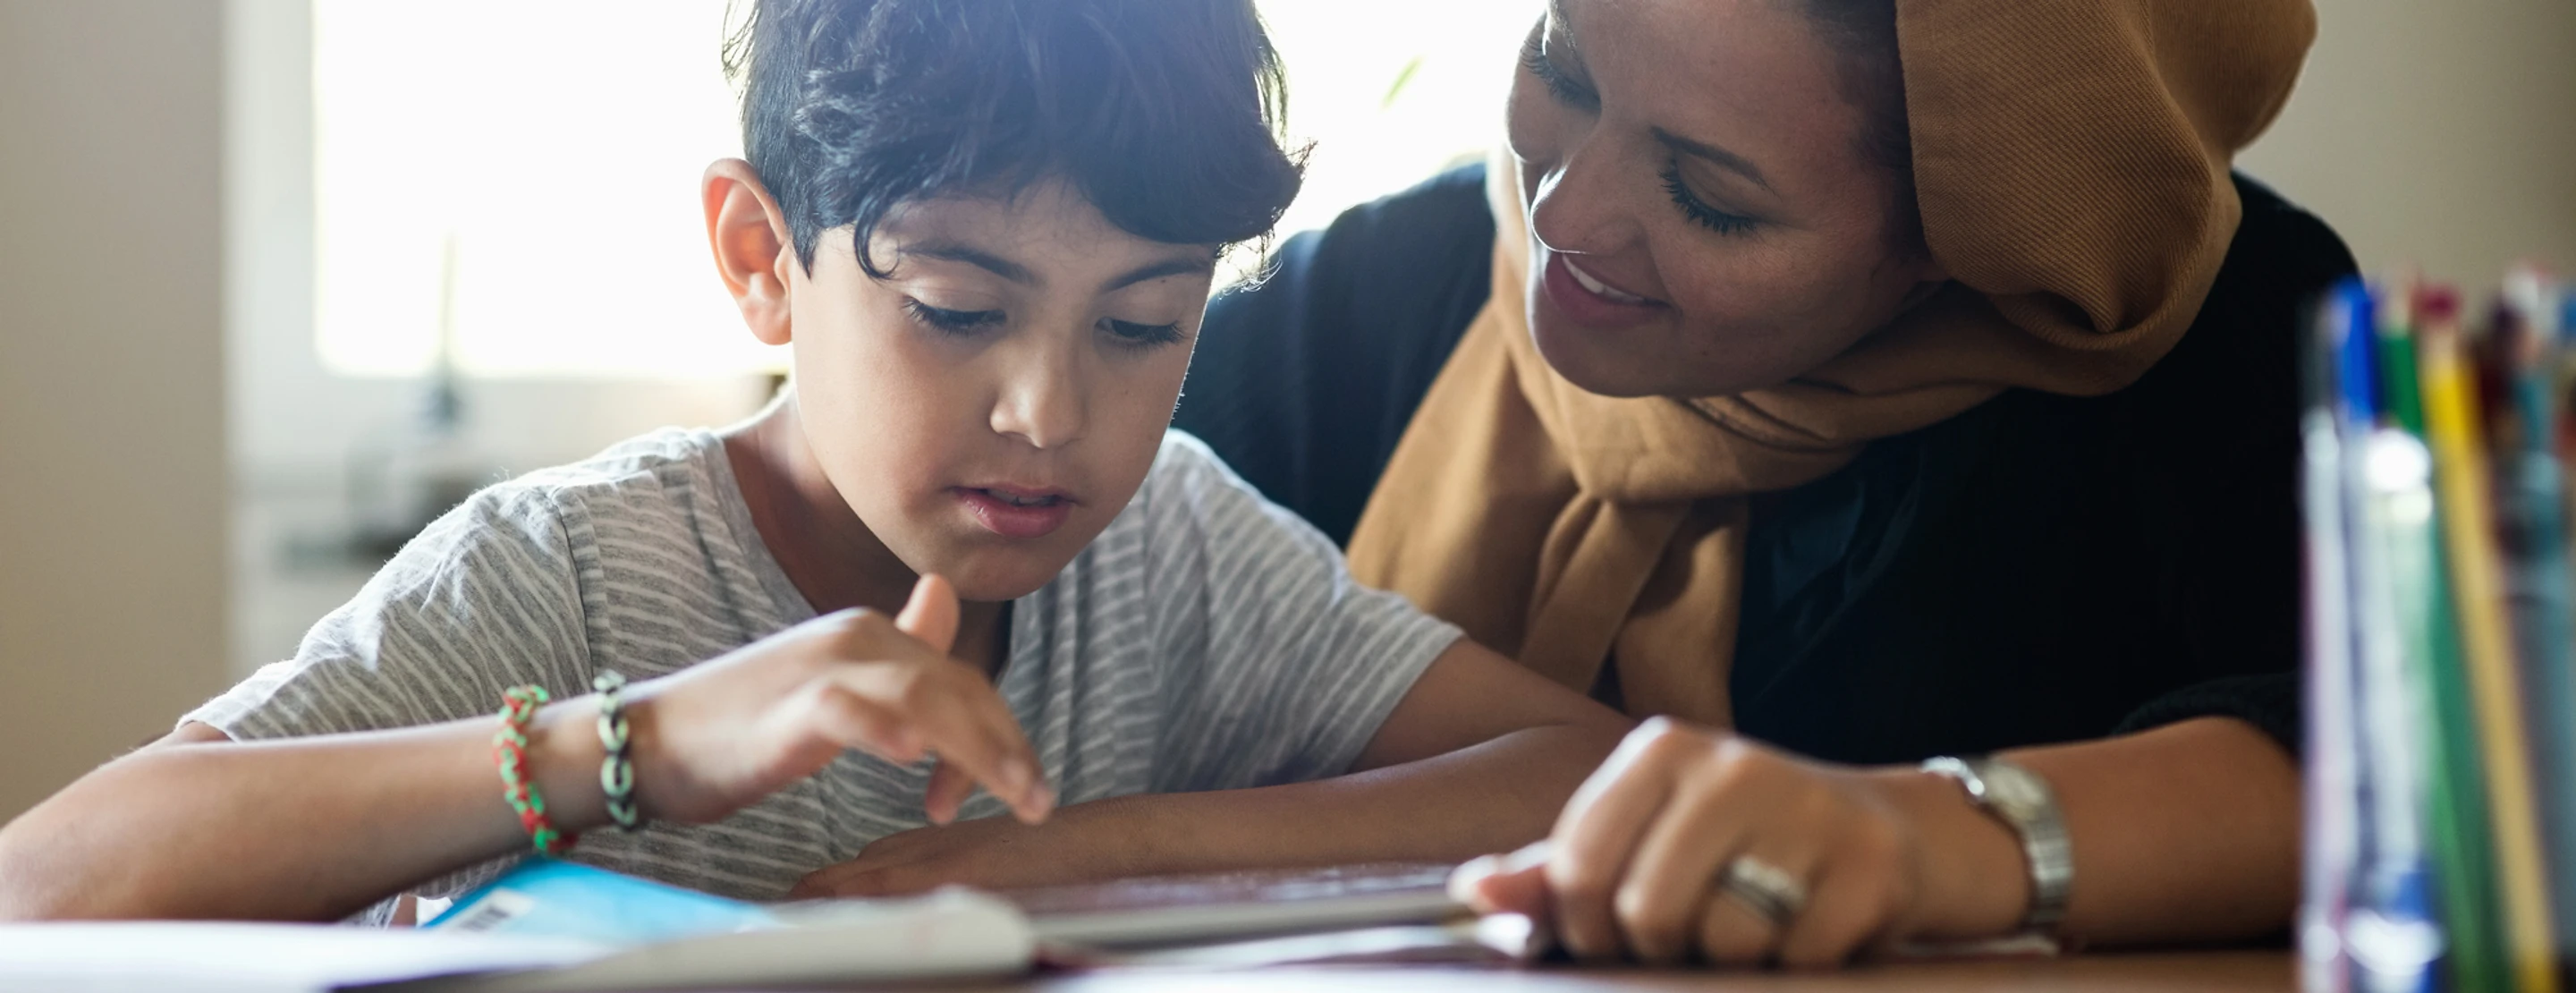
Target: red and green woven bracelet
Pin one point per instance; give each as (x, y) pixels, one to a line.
(519, 705)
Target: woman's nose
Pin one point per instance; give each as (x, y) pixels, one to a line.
(1576, 203)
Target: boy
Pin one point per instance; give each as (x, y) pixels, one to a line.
(988, 228)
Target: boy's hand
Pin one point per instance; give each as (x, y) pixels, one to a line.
(717, 737)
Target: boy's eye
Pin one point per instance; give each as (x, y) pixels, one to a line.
(1144, 335)
(957, 322)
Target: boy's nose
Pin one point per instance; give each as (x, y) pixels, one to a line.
(1042, 400)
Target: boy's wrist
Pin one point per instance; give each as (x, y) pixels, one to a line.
(567, 753)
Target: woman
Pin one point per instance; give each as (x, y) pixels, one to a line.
(1855, 383)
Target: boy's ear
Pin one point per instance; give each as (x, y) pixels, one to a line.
(751, 243)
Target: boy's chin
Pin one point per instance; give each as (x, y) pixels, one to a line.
(997, 575)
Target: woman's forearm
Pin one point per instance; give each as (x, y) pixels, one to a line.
(309, 829)
(2187, 833)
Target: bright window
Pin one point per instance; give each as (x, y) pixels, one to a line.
(525, 172)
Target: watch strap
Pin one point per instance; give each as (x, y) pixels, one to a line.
(2033, 816)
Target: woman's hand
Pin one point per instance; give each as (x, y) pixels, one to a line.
(1637, 863)
(716, 737)
(1092, 841)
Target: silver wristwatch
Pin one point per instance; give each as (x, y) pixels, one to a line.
(2024, 803)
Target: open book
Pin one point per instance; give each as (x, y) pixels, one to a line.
(653, 936)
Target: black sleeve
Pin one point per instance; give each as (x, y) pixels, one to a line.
(1304, 381)
(2269, 701)
(2238, 566)
(2058, 568)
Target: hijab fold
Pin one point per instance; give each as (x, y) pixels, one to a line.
(2071, 162)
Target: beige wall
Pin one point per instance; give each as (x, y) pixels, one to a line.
(2442, 131)
(111, 380)
(2437, 132)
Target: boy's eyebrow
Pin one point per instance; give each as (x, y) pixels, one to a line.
(1020, 274)
(978, 258)
(1158, 270)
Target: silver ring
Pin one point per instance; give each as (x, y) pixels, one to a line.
(1767, 890)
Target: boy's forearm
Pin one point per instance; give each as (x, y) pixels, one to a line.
(311, 829)
(1514, 785)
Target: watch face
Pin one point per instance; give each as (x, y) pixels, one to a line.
(2015, 792)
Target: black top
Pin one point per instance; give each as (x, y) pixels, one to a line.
(2038, 569)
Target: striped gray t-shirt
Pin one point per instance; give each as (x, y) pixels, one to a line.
(1208, 640)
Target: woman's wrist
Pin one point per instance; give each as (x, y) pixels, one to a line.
(1973, 881)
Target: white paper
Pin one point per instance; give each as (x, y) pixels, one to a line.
(151, 957)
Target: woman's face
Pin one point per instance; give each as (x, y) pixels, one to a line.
(1706, 221)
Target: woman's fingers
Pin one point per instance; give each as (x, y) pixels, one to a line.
(1858, 897)
(1729, 932)
(1849, 908)
(1600, 828)
(1515, 883)
(1677, 863)
(1692, 840)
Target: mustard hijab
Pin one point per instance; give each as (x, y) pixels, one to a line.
(2072, 165)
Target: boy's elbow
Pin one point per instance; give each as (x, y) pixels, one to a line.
(49, 872)
(28, 891)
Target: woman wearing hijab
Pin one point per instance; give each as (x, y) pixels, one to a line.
(1895, 399)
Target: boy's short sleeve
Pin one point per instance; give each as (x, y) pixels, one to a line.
(1281, 666)
(486, 598)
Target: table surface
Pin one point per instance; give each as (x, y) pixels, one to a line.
(2197, 972)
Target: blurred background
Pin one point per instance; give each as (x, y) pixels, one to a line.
(278, 277)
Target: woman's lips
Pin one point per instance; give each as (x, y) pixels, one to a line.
(1016, 513)
(1587, 300)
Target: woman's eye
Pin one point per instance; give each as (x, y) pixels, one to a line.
(1141, 335)
(1559, 85)
(1698, 210)
(958, 322)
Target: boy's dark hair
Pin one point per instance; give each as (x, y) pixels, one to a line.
(1163, 113)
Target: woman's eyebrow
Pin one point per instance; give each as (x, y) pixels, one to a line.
(1715, 156)
(1562, 26)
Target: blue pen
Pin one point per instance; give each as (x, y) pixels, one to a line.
(2351, 319)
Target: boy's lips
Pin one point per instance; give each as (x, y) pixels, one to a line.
(1017, 512)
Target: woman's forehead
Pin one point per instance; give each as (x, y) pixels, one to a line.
(1753, 77)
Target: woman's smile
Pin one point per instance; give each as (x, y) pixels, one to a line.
(1590, 302)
